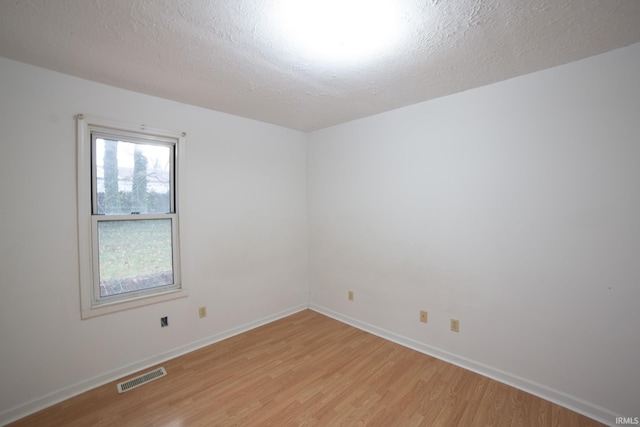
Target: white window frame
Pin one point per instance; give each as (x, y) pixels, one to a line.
(92, 304)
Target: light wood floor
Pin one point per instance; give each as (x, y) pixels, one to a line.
(308, 369)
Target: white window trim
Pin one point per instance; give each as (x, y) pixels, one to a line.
(89, 303)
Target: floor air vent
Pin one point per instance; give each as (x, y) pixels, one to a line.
(141, 379)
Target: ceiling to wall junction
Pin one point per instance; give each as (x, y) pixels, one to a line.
(261, 59)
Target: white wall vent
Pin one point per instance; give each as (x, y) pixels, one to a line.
(141, 379)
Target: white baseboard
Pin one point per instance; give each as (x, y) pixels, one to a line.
(568, 401)
(81, 387)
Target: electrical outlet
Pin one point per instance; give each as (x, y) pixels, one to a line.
(423, 316)
(455, 325)
(164, 321)
(350, 295)
(202, 312)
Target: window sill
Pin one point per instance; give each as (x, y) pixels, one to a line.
(115, 306)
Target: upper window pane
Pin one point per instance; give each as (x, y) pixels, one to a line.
(132, 177)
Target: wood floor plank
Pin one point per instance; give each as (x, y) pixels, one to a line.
(309, 370)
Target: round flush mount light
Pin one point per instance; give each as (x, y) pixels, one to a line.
(339, 31)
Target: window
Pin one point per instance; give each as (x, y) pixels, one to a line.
(128, 188)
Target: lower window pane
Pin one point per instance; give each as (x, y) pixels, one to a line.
(134, 255)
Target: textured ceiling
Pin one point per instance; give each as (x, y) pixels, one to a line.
(228, 56)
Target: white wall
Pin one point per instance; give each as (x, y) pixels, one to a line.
(515, 208)
(244, 235)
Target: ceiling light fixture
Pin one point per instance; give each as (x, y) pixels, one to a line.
(339, 31)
